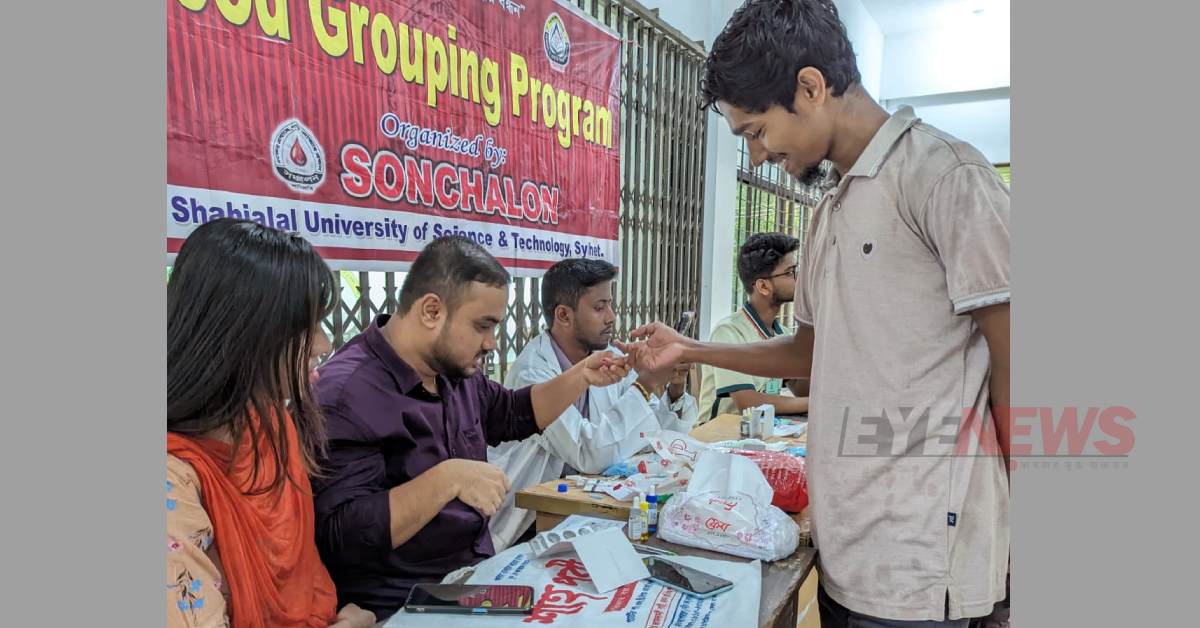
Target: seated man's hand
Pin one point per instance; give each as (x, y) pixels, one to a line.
(352, 616)
(604, 369)
(477, 484)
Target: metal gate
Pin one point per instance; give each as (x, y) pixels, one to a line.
(768, 199)
(662, 194)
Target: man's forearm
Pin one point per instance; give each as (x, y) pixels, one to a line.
(1001, 408)
(415, 503)
(798, 386)
(783, 405)
(553, 397)
(993, 322)
(782, 356)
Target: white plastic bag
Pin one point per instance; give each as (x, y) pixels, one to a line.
(668, 468)
(727, 508)
(675, 448)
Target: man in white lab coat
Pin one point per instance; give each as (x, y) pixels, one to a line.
(606, 425)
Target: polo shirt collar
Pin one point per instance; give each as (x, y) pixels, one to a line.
(775, 329)
(872, 157)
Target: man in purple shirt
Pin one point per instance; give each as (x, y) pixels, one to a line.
(405, 493)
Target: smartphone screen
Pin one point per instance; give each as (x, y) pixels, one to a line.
(685, 577)
(506, 597)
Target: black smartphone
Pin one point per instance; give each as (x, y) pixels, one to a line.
(467, 599)
(684, 325)
(685, 579)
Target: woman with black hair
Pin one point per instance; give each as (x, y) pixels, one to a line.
(244, 306)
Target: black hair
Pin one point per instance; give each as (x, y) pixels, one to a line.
(243, 304)
(754, 61)
(760, 254)
(565, 282)
(446, 267)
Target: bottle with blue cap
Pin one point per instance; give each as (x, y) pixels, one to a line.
(652, 506)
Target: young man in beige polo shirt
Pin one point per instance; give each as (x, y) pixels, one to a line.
(903, 325)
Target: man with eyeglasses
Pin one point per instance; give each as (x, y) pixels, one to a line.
(767, 269)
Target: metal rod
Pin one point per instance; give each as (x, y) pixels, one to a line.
(365, 311)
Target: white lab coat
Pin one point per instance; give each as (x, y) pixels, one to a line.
(618, 415)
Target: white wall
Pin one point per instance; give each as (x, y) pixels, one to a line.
(956, 77)
(966, 56)
(720, 201)
(702, 21)
(867, 39)
(982, 123)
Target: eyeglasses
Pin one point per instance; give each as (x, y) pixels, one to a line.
(790, 272)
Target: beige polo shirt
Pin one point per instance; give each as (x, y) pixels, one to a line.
(906, 244)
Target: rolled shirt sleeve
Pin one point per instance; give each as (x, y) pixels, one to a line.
(353, 513)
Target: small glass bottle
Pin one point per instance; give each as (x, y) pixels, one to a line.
(652, 504)
(644, 509)
(634, 526)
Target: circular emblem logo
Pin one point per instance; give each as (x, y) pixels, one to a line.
(556, 42)
(297, 157)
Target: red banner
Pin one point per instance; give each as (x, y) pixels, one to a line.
(373, 127)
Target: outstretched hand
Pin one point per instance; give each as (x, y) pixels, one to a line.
(654, 348)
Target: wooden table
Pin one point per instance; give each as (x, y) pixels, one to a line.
(781, 580)
(551, 506)
(728, 427)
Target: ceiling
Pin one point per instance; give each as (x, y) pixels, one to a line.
(900, 16)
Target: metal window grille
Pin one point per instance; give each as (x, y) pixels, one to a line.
(768, 199)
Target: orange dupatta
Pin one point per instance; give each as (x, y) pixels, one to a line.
(266, 542)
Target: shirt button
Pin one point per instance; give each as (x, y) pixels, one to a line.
(837, 206)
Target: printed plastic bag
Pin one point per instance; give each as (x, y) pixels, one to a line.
(727, 508)
(668, 468)
(675, 449)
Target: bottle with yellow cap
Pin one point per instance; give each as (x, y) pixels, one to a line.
(644, 514)
(634, 526)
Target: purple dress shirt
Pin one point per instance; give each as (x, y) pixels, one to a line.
(384, 429)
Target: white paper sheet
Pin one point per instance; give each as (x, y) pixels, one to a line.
(610, 559)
